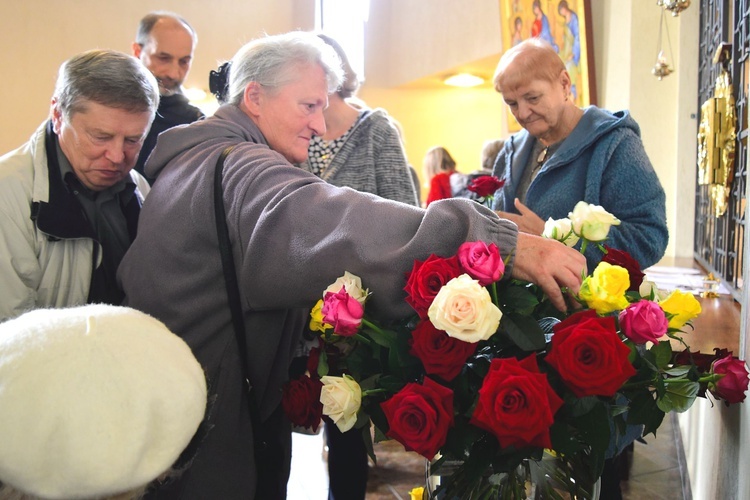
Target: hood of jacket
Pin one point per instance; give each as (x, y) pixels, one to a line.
(594, 124)
(229, 123)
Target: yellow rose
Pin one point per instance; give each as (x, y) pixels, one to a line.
(353, 285)
(341, 398)
(316, 319)
(592, 222)
(416, 493)
(604, 291)
(683, 307)
(560, 230)
(464, 310)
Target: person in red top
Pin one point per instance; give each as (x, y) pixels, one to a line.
(438, 167)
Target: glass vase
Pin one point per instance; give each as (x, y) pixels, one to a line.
(548, 478)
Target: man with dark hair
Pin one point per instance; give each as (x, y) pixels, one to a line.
(69, 202)
(165, 43)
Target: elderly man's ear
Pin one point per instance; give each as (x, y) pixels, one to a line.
(55, 115)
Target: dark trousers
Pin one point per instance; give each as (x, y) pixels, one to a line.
(347, 463)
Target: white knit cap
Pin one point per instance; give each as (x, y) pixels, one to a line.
(94, 401)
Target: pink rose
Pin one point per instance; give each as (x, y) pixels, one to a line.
(481, 261)
(732, 386)
(343, 312)
(643, 321)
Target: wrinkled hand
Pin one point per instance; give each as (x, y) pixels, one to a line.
(527, 222)
(549, 264)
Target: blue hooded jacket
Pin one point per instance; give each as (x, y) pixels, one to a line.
(602, 162)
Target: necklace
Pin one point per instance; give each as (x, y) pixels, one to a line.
(541, 159)
(542, 156)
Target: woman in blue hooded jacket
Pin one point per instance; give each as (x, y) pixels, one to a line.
(566, 154)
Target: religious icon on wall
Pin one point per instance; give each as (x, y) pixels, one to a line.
(566, 25)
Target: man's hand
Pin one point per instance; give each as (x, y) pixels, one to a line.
(549, 264)
(527, 222)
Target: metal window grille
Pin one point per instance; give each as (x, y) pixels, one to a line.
(719, 242)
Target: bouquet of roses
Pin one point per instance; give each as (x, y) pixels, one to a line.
(489, 378)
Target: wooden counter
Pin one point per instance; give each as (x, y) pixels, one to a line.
(718, 325)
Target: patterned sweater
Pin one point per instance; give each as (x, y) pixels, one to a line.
(372, 160)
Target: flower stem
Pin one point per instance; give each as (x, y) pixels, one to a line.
(370, 392)
(584, 244)
(362, 338)
(372, 326)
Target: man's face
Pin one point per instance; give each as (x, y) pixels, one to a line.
(289, 116)
(168, 54)
(537, 106)
(101, 143)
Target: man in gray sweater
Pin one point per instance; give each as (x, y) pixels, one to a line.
(292, 234)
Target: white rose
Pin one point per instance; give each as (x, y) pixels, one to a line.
(341, 398)
(592, 222)
(649, 287)
(464, 310)
(560, 230)
(353, 285)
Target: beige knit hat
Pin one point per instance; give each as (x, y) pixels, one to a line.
(94, 401)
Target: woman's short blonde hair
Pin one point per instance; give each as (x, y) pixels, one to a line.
(532, 59)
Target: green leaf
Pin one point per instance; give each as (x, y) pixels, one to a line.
(679, 397)
(662, 354)
(517, 298)
(645, 411)
(678, 371)
(523, 331)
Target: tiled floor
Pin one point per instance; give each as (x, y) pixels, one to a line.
(655, 473)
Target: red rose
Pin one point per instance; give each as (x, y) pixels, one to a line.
(301, 402)
(589, 355)
(419, 416)
(516, 403)
(441, 355)
(313, 359)
(481, 261)
(701, 361)
(426, 279)
(732, 385)
(485, 185)
(625, 260)
(342, 311)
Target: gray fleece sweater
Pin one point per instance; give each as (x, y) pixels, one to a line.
(292, 235)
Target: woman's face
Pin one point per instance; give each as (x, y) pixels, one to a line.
(288, 117)
(538, 105)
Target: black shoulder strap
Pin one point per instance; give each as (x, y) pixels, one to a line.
(227, 262)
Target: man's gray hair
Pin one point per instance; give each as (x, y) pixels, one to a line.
(150, 19)
(272, 61)
(109, 78)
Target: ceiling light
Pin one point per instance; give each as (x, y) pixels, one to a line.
(464, 80)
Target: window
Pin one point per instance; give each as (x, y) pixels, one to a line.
(344, 21)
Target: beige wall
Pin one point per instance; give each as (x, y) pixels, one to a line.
(38, 35)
